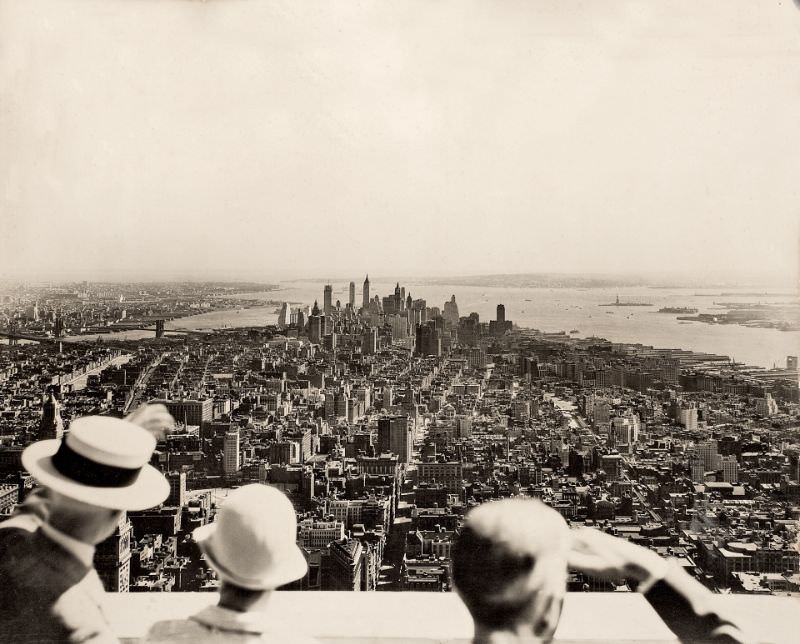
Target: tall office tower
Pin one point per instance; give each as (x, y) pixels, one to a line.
(428, 340)
(625, 431)
(399, 326)
(399, 298)
(283, 315)
(369, 341)
(730, 469)
(365, 293)
(766, 406)
(51, 425)
(707, 450)
(394, 435)
(698, 469)
(315, 329)
(451, 312)
(388, 396)
(791, 363)
(301, 321)
(687, 416)
(177, 489)
(231, 463)
(352, 295)
(112, 558)
(327, 306)
(501, 315)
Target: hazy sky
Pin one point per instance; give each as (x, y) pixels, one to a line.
(264, 139)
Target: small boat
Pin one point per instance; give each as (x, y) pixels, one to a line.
(574, 331)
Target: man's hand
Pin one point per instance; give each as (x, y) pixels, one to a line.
(154, 418)
(549, 578)
(612, 558)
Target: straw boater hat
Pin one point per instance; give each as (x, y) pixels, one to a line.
(102, 461)
(252, 543)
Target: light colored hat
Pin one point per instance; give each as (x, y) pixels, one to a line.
(252, 543)
(102, 461)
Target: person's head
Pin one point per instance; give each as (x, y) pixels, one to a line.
(252, 545)
(98, 470)
(85, 522)
(509, 566)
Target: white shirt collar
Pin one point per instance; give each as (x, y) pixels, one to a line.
(83, 552)
(254, 622)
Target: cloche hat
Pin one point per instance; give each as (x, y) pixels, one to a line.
(252, 543)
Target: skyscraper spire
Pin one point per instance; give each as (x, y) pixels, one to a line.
(365, 294)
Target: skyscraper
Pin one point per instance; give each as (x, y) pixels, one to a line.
(394, 435)
(730, 469)
(365, 293)
(327, 305)
(369, 341)
(231, 463)
(352, 295)
(177, 489)
(501, 315)
(315, 330)
(428, 340)
(51, 425)
(282, 316)
(707, 450)
(451, 311)
(112, 558)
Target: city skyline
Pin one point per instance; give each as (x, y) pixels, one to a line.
(576, 139)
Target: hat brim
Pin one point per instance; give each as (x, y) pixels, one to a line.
(150, 488)
(291, 568)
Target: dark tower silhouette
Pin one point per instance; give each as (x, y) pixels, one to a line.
(365, 293)
(51, 425)
(159, 328)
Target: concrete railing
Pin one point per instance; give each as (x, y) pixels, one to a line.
(440, 618)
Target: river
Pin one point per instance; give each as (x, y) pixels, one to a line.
(555, 309)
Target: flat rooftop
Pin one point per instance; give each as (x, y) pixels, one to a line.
(440, 618)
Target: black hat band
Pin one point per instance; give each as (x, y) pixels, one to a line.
(88, 472)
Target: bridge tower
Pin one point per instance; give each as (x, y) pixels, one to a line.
(159, 328)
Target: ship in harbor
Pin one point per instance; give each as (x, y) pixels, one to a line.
(630, 303)
(677, 309)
